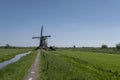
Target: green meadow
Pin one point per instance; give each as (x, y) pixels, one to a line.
(80, 64)
(17, 70)
(6, 54)
(66, 64)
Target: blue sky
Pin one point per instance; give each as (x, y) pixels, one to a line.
(69, 22)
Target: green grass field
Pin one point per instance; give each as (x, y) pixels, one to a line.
(77, 64)
(65, 64)
(17, 70)
(6, 54)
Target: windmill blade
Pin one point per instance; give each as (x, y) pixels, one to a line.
(47, 36)
(35, 37)
(41, 36)
(41, 31)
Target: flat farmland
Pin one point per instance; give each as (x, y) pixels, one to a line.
(6, 54)
(77, 64)
(16, 70)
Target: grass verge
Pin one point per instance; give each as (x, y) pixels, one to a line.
(17, 70)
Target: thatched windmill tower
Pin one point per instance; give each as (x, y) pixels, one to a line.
(43, 40)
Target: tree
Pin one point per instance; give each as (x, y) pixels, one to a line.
(7, 46)
(118, 46)
(104, 46)
(74, 46)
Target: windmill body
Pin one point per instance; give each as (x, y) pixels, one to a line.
(43, 40)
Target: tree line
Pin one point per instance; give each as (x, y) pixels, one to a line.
(105, 46)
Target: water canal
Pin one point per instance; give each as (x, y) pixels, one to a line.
(15, 59)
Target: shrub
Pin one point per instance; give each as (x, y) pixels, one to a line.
(7, 46)
(118, 46)
(104, 46)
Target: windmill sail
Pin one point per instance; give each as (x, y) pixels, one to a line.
(41, 37)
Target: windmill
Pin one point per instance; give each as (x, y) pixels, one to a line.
(43, 40)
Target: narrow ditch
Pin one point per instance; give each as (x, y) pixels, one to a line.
(15, 59)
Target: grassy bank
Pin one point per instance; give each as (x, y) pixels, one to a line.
(16, 71)
(6, 54)
(79, 65)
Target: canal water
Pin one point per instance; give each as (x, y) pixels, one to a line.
(15, 59)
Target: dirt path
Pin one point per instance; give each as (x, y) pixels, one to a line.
(32, 73)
